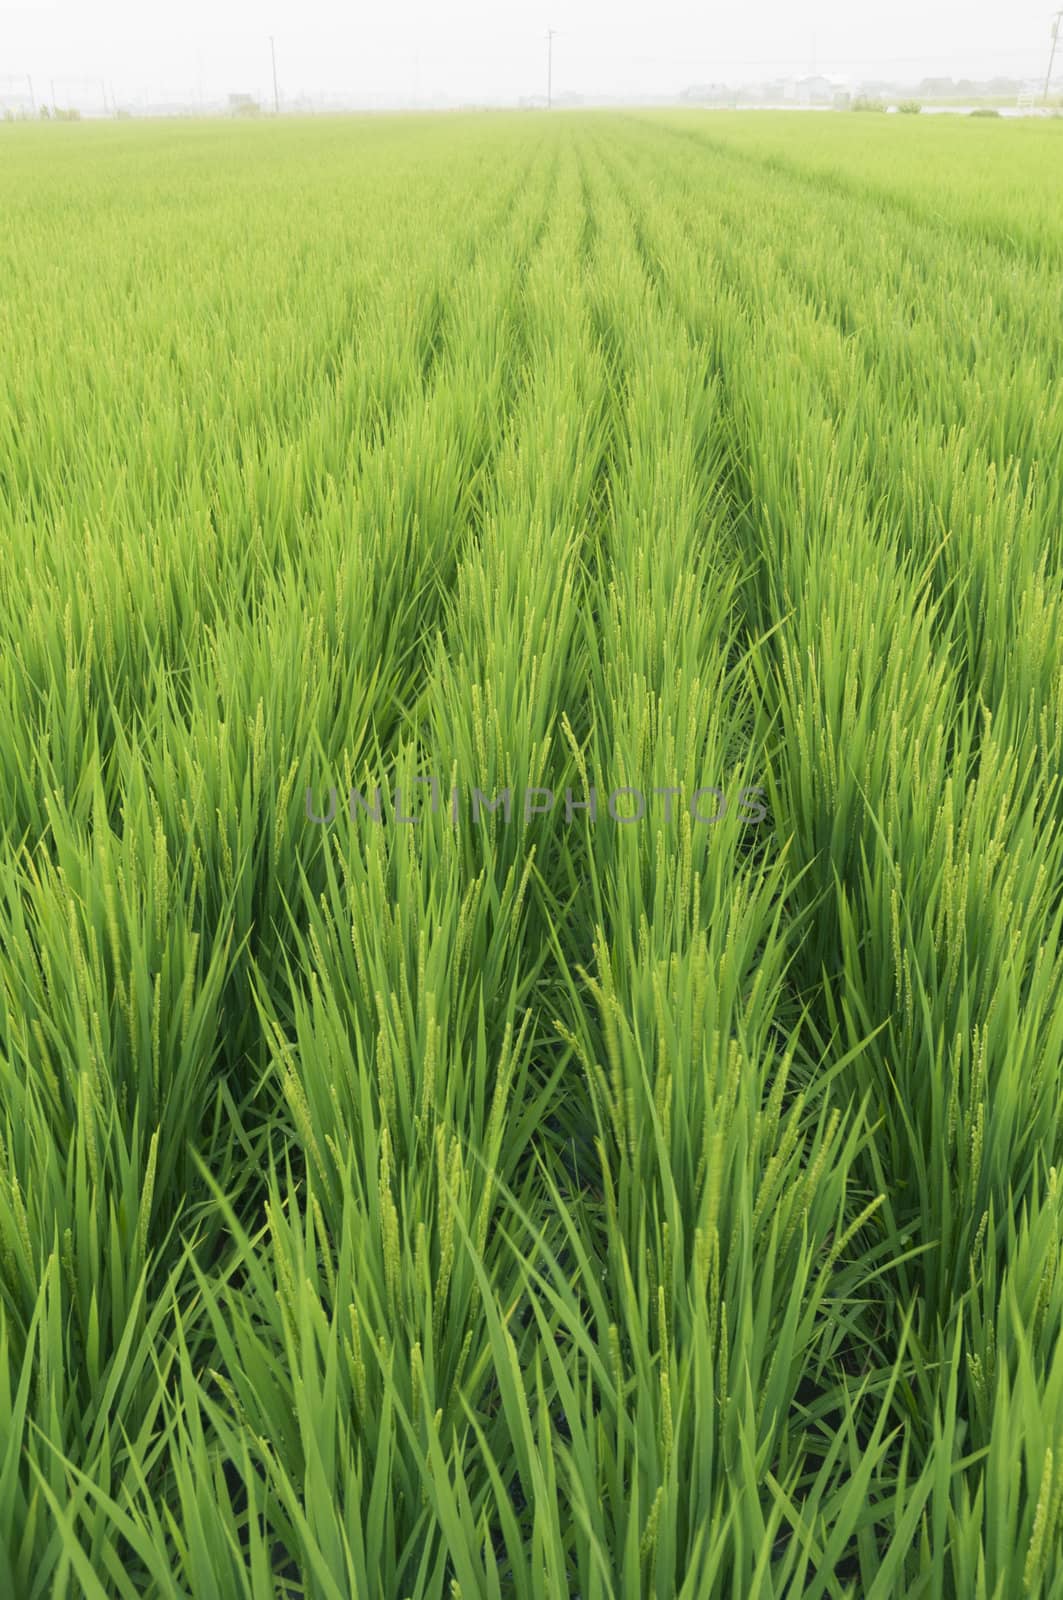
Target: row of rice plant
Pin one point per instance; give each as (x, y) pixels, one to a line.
(530, 1012)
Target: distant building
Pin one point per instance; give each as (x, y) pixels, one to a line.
(708, 94)
(815, 91)
(17, 103)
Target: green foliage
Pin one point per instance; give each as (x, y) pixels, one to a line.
(554, 1207)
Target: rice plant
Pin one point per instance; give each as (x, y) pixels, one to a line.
(531, 865)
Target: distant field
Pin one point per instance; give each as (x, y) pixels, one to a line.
(519, 1200)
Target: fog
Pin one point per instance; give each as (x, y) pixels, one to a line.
(413, 52)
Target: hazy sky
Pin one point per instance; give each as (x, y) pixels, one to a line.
(473, 49)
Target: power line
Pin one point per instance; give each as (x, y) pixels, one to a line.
(276, 96)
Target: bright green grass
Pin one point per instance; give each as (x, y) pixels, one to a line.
(554, 1208)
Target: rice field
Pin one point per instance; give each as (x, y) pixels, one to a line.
(531, 871)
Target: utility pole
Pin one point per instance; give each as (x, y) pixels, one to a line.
(33, 97)
(1052, 57)
(276, 96)
(550, 67)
